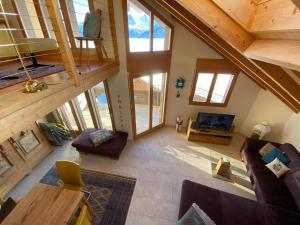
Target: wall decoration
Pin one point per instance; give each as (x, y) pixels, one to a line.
(27, 141)
(120, 111)
(180, 82)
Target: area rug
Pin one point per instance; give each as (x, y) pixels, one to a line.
(110, 194)
(13, 76)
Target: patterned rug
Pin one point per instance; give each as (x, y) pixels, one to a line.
(13, 76)
(110, 194)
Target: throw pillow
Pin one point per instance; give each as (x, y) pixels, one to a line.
(277, 167)
(100, 136)
(275, 153)
(195, 216)
(267, 147)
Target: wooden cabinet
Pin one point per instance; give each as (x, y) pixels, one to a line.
(208, 135)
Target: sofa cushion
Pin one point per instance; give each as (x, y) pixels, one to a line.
(269, 189)
(292, 181)
(293, 155)
(275, 153)
(195, 216)
(223, 208)
(277, 167)
(267, 148)
(275, 215)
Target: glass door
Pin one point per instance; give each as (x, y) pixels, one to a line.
(148, 102)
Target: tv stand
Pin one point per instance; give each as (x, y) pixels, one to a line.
(221, 137)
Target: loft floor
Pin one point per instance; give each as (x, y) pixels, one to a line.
(18, 109)
(160, 161)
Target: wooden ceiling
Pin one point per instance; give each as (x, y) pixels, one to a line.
(262, 37)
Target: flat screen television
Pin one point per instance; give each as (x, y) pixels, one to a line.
(214, 121)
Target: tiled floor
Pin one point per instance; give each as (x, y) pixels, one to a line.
(160, 162)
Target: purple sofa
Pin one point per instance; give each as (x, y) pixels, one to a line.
(283, 192)
(112, 148)
(278, 199)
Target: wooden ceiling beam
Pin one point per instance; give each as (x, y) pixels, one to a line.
(297, 3)
(276, 19)
(220, 22)
(282, 78)
(284, 53)
(210, 37)
(242, 11)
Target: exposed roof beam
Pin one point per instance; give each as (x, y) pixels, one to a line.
(242, 11)
(282, 78)
(276, 18)
(216, 19)
(285, 53)
(297, 3)
(210, 37)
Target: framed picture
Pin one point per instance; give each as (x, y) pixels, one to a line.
(27, 141)
(4, 163)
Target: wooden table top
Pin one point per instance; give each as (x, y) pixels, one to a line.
(45, 205)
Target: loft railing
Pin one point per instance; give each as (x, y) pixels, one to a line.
(31, 30)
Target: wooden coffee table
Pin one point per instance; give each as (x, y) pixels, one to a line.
(47, 205)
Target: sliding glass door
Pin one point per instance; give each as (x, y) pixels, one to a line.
(148, 102)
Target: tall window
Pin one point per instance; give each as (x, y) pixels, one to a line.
(212, 88)
(146, 32)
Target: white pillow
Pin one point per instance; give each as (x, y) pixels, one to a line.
(277, 167)
(267, 147)
(195, 216)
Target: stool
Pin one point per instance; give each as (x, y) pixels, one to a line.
(99, 48)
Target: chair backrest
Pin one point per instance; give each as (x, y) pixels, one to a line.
(82, 219)
(69, 173)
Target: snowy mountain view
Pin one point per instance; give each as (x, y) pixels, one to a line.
(139, 31)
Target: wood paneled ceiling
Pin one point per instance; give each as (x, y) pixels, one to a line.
(262, 37)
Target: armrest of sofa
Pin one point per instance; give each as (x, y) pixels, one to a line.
(255, 145)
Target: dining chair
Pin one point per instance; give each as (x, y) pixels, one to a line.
(69, 173)
(82, 218)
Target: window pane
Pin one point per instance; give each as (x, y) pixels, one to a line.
(161, 35)
(67, 116)
(84, 111)
(102, 106)
(141, 88)
(77, 10)
(159, 87)
(221, 88)
(138, 27)
(203, 86)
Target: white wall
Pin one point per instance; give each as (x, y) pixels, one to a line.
(251, 104)
(284, 122)
(118, 84)
(186, 49)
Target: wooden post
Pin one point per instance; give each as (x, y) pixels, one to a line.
(61, 37)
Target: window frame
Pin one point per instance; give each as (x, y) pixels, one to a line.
(209, 66)
(153, 13)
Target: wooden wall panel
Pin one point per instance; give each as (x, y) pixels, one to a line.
(148, 63)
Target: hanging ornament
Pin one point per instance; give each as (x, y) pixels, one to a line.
(180, 82)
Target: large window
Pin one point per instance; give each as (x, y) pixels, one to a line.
(146, 32)
(212, 88)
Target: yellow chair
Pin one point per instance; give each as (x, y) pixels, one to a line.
(82, 219)
(69, 173)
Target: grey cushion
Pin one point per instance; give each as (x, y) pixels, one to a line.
(100, 136)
